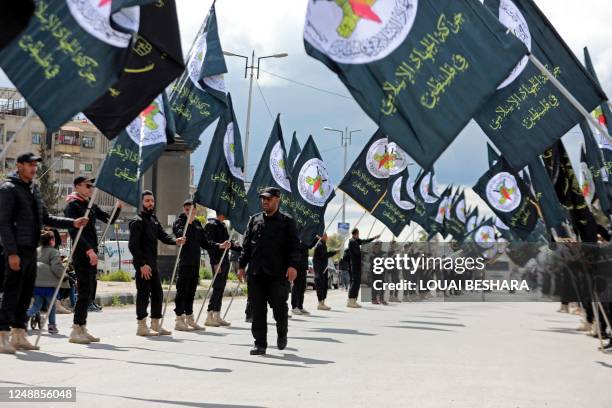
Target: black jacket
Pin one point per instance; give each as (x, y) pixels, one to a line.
(23, 215)
(217, 233)
(270, 245)
(320, 258)
(145, 230)
(196, 240)
(354, 248)
(76, 208)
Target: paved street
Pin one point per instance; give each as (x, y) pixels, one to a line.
(413, 354)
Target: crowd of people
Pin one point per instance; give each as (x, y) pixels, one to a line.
(270, 258)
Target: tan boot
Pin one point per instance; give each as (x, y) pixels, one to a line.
(77, 336)
(19, 340)
(218, 319)
(584, 326)
(563, 309)
(60, 309)
(88, 335)
(352, 303)
(323, 306)
(5, 344)
(191, 323)
(210, 320)
(156, 326)
(180, 324)
(143, 330)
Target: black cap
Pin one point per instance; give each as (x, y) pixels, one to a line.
(28, 158)
(82, 179)
(188, 202)
(270, 192)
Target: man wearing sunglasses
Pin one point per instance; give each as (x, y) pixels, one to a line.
(85, 259)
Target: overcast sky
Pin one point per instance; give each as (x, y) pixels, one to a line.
(273, 26)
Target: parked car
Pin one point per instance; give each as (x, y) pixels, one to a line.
(333, 276)
(310, 281)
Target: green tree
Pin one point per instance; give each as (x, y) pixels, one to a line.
(49, 188)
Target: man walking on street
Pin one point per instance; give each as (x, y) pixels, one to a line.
(320, 260)
(85, 257)
(271, 251)
(218, 236)
(354, 248)
(22, 216)
(145, 231)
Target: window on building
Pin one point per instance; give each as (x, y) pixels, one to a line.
(10, 163)
(86, 167)
(37, 138)
(89, 142)
(67, 137)
(9, 135)
(1, 133)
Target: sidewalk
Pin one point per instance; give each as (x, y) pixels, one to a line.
(124, 293)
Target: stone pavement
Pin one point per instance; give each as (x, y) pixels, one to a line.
(429, 354)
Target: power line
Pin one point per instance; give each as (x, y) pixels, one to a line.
(265, 101)
(305, 85)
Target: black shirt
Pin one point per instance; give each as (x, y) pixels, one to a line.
(270, 245)
(145, 230)
(196, 240)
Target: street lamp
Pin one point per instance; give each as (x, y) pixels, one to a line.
(253, 68)
(59, 159)
(347, 136)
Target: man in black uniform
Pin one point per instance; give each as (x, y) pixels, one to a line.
(22, 216)
(299, 285)
(354, 248)
(85, 256)
(217, 234)
(145, 230)
(320, 260)
(271, 251)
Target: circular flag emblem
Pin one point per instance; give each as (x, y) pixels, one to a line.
(410, 189)
(358, 31)
(378, 159)
(427, 183)
(460, 211)
(485, 236)
(399, 159)
(314, 183)
(195, 64)
(442, 210)
(228, 149)
(278, 167)
(471, 223)
(500, 224)
(395, 193)
(503, 192)
(150, 127)
(94, 17)
(513, 19)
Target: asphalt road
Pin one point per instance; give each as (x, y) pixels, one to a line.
(406, 355)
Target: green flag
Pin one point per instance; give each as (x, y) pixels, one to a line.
(67, 57)
(587, 186)
(594, 160)
(410, 63)
(312, 191)
(563, 176)
(154, 61)
(394, 212)
(144, 141)
(528, 114)
(294, 151)
(553, 213)
(455, 223)
(198, 97)
(368, 178)
(272, 171)
(508, 196)
(605, 117)
(221, 185)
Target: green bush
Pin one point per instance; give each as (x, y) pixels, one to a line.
(232, 277)
(205, 273)
(116, 276)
